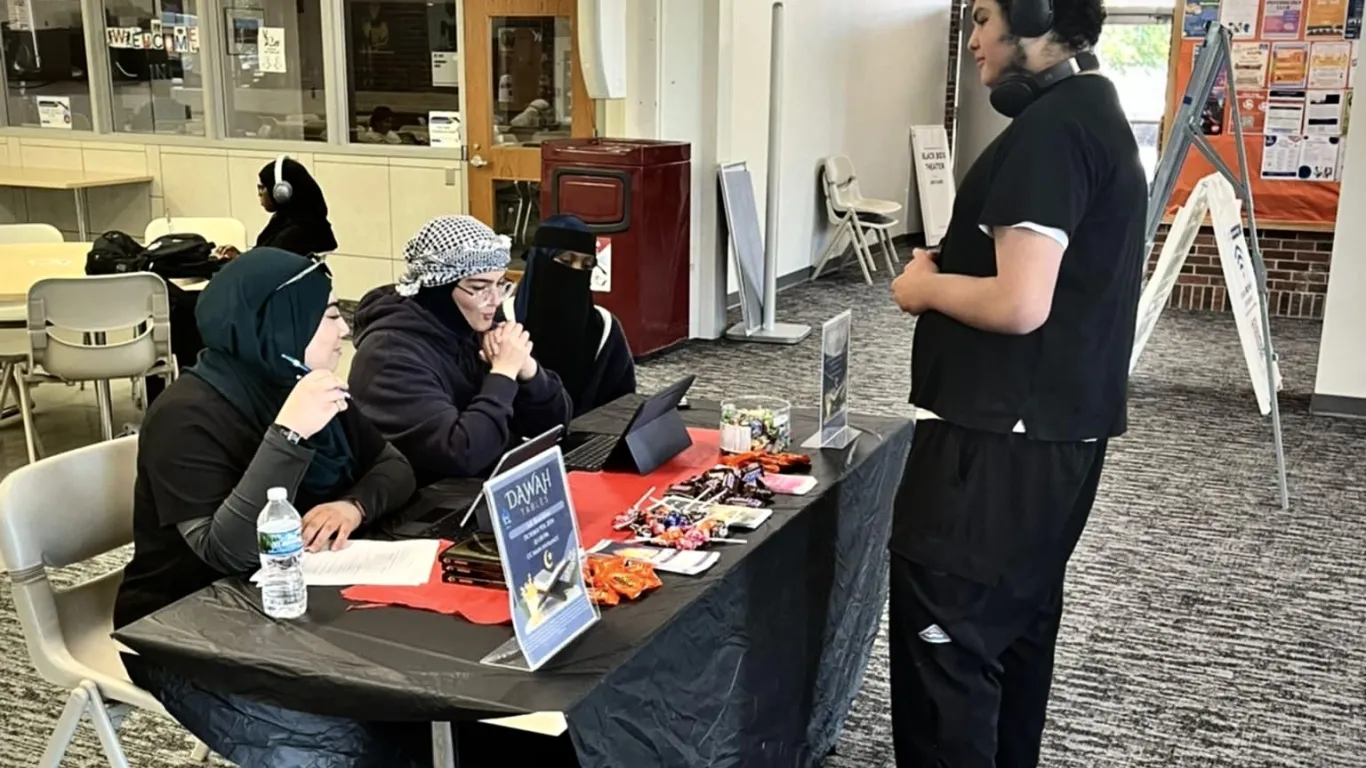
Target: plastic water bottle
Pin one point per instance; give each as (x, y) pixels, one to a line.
(279, 534)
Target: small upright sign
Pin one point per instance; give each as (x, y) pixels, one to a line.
(538, 542)
(834, 430)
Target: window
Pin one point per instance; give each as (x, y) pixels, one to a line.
(402, 63)
(154, 63)
(273, 65)
(532, 79)
(46, 80)
(1134, 52)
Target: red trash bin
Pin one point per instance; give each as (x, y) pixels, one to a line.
(636, 196)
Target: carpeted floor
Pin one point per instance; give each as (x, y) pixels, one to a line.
(1205, 626)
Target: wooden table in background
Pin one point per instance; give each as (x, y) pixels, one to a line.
(77, 182)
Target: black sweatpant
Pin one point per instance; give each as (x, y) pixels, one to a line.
(984, 525)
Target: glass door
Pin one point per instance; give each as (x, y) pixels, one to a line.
(524, 87)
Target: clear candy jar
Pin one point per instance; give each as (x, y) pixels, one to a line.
(756, 424)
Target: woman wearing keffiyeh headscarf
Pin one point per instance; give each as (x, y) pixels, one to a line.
(447, 384)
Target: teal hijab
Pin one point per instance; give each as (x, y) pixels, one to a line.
(263, 305)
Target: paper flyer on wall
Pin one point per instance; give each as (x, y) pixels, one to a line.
(1352, 66)
(601, 280)
(445, 69)
(1282, 18)
(20, 15)
(1250, 61)
(538, 542)
(1199, 14)
(1289, 65)
(1281, 157)
(834, 430)
(443, 128)
(1284, 113)
(54, 111)
(1328, 64)
(1319, 158)
(271, 58)
(1355, 10)
(1240, 17)
(1252, 112)
(1325, 18)
(1323, 113)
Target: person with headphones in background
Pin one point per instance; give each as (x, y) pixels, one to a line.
(298, 221)
(1019, 368)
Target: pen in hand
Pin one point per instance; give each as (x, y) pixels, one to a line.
(299, 365)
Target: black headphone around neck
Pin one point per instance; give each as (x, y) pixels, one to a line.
(1016, 90)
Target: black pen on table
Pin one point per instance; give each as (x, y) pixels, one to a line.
(299, 364)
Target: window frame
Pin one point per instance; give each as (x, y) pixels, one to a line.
(216, 135)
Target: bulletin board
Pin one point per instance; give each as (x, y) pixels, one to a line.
(1293, 63)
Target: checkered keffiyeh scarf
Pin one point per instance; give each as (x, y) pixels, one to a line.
(451, 248)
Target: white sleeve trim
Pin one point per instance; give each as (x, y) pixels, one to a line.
(1052, 233)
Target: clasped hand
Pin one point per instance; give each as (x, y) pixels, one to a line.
(335, 520)
(507, 349)
(911, 289)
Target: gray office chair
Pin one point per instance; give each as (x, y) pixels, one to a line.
(58, 512)
(91, 308)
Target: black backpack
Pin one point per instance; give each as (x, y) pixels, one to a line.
(176, 256)
(114, 253)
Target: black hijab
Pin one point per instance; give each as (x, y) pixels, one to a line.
(262, 305)
(555, 304)
(299, 225)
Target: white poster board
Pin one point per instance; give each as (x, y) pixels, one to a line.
(54, 112)
(1175, 249)
(443, 128)
(933, 179)
(1240, 278)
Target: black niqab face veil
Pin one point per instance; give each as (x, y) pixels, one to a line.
(555, 304)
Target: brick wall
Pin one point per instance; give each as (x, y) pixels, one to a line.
(1296, 271)
(1296, 262)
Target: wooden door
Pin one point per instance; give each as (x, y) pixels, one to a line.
(523, 86)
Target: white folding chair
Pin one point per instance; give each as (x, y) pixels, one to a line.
(58, 512)
(92, 308)
(843, 222)
(870, 215)
(217, 230)
(24, 234)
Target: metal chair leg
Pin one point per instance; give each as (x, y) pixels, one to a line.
(26, 410)
(102, 718)
(831, 248)
(65, 729)
(865, 255)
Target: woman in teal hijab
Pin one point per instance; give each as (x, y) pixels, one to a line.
(262, 408)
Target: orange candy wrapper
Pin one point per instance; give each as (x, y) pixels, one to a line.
(772, 463)
(612, 578)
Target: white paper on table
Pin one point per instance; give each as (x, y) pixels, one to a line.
(371, 563)
(1328, 64)
(1281, 157)
(1284, 113)
(1323, 114)
(1319, 158)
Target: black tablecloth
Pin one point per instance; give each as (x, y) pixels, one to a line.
(754, 663)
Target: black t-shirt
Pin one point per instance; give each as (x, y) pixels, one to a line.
(1070, 163)
(193, 449)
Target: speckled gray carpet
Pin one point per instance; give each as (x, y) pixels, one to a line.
(1205, 627)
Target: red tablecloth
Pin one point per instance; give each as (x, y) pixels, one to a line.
(598, 498)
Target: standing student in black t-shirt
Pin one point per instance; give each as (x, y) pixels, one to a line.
(1019, 369)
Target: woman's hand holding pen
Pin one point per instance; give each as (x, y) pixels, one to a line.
(315, 400)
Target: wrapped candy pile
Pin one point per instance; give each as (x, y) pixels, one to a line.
(773, 463)
(612, 578)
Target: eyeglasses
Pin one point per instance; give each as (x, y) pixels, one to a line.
(493, 293)
(318, 264)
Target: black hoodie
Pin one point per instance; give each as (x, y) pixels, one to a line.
(420, 380)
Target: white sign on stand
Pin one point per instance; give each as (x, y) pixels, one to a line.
(1213, 195)
(1240, 279)
(933, 180)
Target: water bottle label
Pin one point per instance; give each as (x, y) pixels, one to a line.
(280, 544)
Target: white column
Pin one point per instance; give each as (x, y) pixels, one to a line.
(1341, 383)
(689, 66)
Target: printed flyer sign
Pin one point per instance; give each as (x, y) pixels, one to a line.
(1289, 65)
(1352, 29)
(834, 430)
(1325, 18)
(1282, 18)
(1240, 17)
(1323, 114)
(1199, 14)
(1249, 65)
(1329, 63)
(271, 50)
(1285, 113)
(538, 542)
(1252, 112)
(54, 112)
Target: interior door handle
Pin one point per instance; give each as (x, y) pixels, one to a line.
(478, 162)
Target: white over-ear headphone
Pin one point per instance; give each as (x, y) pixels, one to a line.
(283, 190)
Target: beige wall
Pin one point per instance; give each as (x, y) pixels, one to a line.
(376, 203)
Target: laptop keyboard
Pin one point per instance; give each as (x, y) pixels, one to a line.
(592, 455)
